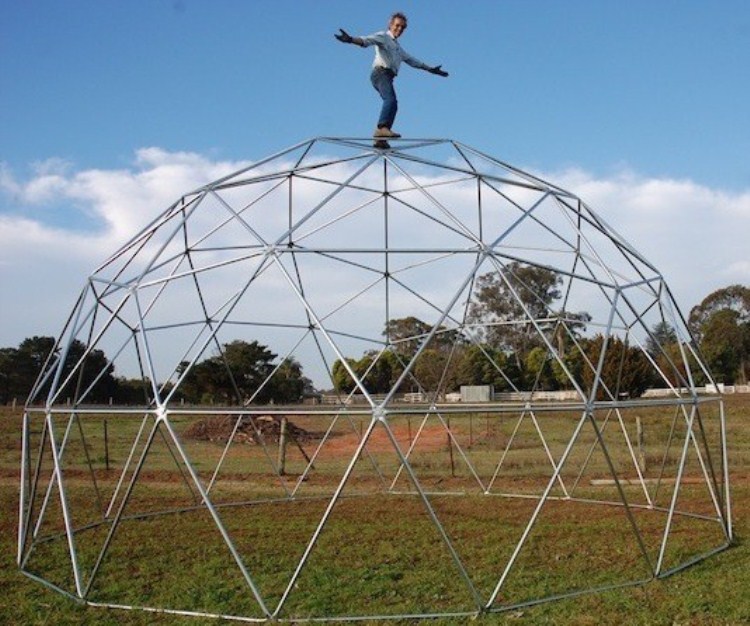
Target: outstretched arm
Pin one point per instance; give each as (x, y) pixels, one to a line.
(414, 62)
(438, 69)
(345, 37)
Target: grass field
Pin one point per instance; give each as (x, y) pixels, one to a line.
(571, 546)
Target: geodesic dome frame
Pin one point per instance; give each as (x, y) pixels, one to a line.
(313, 251)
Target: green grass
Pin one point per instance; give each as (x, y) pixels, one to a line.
(380, 551)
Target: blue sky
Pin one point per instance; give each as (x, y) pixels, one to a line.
(618, 99)
(656, 85)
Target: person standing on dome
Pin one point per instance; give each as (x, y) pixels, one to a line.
(388, 57)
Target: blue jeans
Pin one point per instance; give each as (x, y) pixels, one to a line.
(382, 80)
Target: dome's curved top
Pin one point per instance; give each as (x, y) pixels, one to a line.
(316, 250)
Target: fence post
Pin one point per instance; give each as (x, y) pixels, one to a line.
(450, 448)
(106, 445)
(282, 447)
(639, 439)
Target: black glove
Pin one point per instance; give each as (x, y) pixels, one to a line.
(343, 36)
(438, 69)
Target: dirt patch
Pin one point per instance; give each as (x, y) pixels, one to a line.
(431, 439)
(252, 428)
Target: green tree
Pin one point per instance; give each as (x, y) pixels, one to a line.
(573, 370)
(722, 344)
(672, 364)
(288, 384)
(538, 370)
(243, 371)
(377, 374)
(625, 371)
(8, 376)
(435, 370)
(505, 302)
(342, 380)
(483, 365)
(736, 299)
(568, 332)
(385, 372)
(250, 365)
(661, 335)
(133, 391)
(92, 381)
(30, 357)
(208, 382)
(407, 334)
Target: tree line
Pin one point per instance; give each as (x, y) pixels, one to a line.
(240, 372)
(506, 355)
(513, 356)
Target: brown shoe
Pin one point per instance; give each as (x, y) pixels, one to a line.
(384, 131)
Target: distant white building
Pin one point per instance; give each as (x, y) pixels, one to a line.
(477, 393)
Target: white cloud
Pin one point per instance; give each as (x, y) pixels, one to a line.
(695, 235)
(8, 183)
(54, 165)
(43, 266)
(738, 269)
(47, 182)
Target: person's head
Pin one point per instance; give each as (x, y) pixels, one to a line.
(397, 24)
